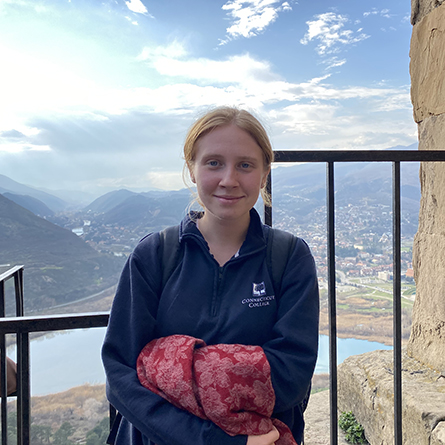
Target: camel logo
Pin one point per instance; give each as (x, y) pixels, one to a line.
(259, 289)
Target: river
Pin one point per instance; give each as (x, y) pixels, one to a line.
(60, 361)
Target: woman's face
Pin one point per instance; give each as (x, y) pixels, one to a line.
(228, 171)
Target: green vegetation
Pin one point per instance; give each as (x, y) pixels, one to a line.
(354, 432)
(61, 436)
(409, 290)
(344, 252)
(316, 390)
(98, 435)
(43, 435)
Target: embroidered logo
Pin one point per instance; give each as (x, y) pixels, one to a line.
(259, 296)
(259, 289)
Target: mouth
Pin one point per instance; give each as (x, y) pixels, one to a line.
(226, 198)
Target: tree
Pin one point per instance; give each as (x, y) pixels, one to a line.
(62, 434)
(40, 434)
(12, 427)
(98, 435)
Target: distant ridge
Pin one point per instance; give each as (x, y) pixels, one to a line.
(8, 185)
(152, 210)
(32, 204)
(108, 201)
(414, 146)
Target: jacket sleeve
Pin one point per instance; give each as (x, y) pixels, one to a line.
(131, 326)
(292, 350)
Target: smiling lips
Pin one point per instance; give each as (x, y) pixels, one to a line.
(226, 198)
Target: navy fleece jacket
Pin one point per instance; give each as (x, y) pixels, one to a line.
(235, 303)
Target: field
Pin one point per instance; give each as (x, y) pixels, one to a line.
(364, 310)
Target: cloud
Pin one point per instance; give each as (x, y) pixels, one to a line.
(133, 22)
(138, 7)
(174, 61)
(328, 30)
(333, 62)
(240, 79)
(78, 133)
(383, 13)
(175, 49)
(189, 83)
(92, 110)
(251, 17)
(13, 134)
(81, 153)
(315, 126)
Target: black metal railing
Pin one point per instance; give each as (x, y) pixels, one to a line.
(23, 326)
(15, 274)
(330, 158)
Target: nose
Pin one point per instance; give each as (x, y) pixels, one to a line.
(229, 177)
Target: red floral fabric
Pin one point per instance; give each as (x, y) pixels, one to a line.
(227, 384)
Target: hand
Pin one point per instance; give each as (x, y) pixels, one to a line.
(264, 439)
(11, 376)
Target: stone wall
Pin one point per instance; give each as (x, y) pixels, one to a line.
(365, 382)
(427, 68)
(366, 387)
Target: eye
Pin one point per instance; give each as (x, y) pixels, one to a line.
(245, 165)
(213, 163)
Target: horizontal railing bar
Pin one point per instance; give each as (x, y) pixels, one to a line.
(11, 325)
(10, 273)
(358, 155)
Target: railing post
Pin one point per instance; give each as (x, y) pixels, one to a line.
(330, 204)
(3, 386)
(397, 306)
(18, 284)
(23, 389)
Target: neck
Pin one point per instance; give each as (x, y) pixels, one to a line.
(223, 237)
(216, 229)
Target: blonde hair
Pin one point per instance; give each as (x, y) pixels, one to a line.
(219, 117)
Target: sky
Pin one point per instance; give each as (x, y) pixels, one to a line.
(98, 95)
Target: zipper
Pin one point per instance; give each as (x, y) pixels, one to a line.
(216, 294)
(220, 272)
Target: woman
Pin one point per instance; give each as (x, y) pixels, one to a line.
(223, 257)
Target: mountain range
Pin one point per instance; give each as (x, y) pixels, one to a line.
(62, 267)
(12, 187)
(59, 266)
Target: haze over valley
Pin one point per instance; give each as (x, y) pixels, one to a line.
(72, 251)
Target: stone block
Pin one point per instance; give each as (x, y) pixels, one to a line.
(428, 65)
(317, 419)
(427, 340)
(438, 436)
(365, 387)
(420, 8)
(432, 133)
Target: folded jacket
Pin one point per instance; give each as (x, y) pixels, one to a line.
(229, 384)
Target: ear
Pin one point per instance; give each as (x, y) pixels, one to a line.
(264, 180)
(192, 176)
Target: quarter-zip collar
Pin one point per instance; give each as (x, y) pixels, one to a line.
(255, 238)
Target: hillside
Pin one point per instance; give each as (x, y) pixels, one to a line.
(108, 201)
(77, 411)
(59, 266)
(299, 191)
(9, 185)
(32, 204)
(147, 210)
